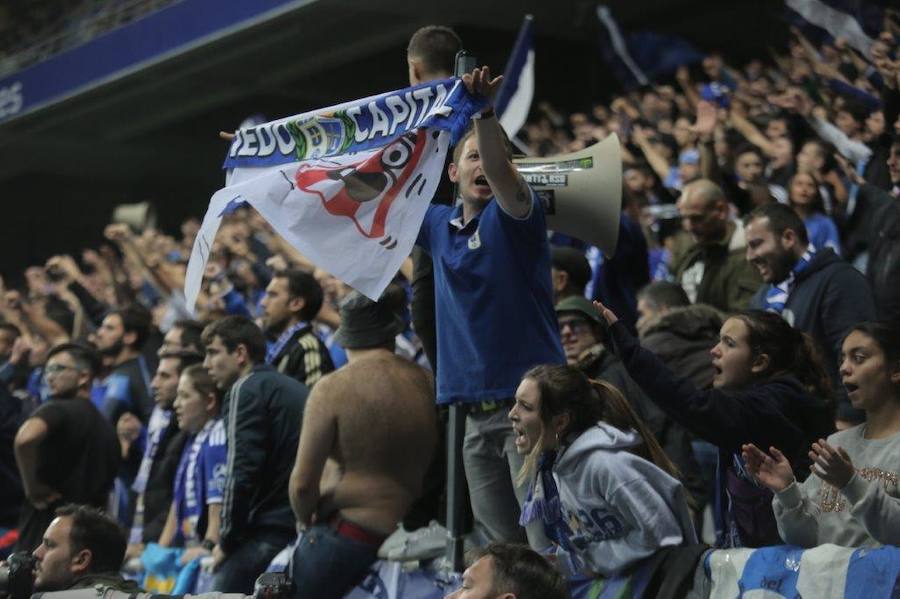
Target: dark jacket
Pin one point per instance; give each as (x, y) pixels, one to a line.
(674, 440)
(829, 297)
(682, 339)
(884, 256)
(728, 279)
(616, 280)
(876, 172)
(778, 412)
(263, 412)
(11, 493)
(161, 481)
(304, 357)
(859, 229)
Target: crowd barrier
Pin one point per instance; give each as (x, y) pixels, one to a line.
(784, 571)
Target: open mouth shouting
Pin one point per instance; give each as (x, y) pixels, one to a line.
(851, 389)
(521, 437)
(481, 181)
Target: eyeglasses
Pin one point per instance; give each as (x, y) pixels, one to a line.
(57, 368)
(576, 325)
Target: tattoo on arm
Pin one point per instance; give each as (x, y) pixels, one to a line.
(523, 193)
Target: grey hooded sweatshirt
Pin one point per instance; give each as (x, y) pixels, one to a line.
(619, 508)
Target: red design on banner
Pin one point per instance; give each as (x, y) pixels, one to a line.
(378, 178)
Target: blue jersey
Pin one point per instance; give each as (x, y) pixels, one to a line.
(493, 300)
(126, 389)
(200, 479)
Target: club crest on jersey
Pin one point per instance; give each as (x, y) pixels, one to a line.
(475, 241)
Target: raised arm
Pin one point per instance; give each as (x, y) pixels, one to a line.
(656, 160)
(508, 186)
(725, 419)
(746, 128)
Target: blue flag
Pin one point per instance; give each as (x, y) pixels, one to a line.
(514, 98)
(640, 57)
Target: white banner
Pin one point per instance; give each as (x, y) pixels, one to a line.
(356, 216)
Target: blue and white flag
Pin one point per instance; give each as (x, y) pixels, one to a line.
(857, 21)
(513, 101)
(348, 185)
(640, 57)
(787, 571)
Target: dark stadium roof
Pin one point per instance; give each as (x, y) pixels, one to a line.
(152, 134)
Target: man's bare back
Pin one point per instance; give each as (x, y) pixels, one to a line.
(382, 410)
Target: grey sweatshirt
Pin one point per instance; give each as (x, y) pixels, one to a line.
(865, 512)
(619, 508)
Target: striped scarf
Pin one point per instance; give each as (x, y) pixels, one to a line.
(276, 348)
(543, 503)
(777, 296)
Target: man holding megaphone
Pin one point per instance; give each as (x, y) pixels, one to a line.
(494, 308)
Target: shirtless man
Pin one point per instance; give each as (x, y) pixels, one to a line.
(369, 432)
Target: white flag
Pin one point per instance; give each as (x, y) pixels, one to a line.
(347, 186)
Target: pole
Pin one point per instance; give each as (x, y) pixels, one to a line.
(456, 429)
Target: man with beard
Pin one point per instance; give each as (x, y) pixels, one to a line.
(813, 289)
(712, 270)
(66, 451)
(124, 395)
(119, 340)
(154, 481)
(81, 549)
(292, 300)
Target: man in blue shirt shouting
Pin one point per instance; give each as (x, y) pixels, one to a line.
(494, 307)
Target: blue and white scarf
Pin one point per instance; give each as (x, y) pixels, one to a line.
(543, 503)
(277, 347)
(777, 296)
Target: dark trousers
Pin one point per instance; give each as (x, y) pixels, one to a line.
(326, 565)
(239, 571)
(422, 304)
(431, 505)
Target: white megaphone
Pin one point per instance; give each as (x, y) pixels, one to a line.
(581, 191)
(139, 217)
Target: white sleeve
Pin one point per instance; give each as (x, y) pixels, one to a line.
(651, 524)
(852, 150)
(796, 515)
(878, 512)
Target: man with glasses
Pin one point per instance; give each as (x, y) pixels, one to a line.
(712, 269)
(67, 452)
(583, 334)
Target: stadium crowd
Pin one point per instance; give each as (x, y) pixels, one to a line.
(34, 31)
(739, 354)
